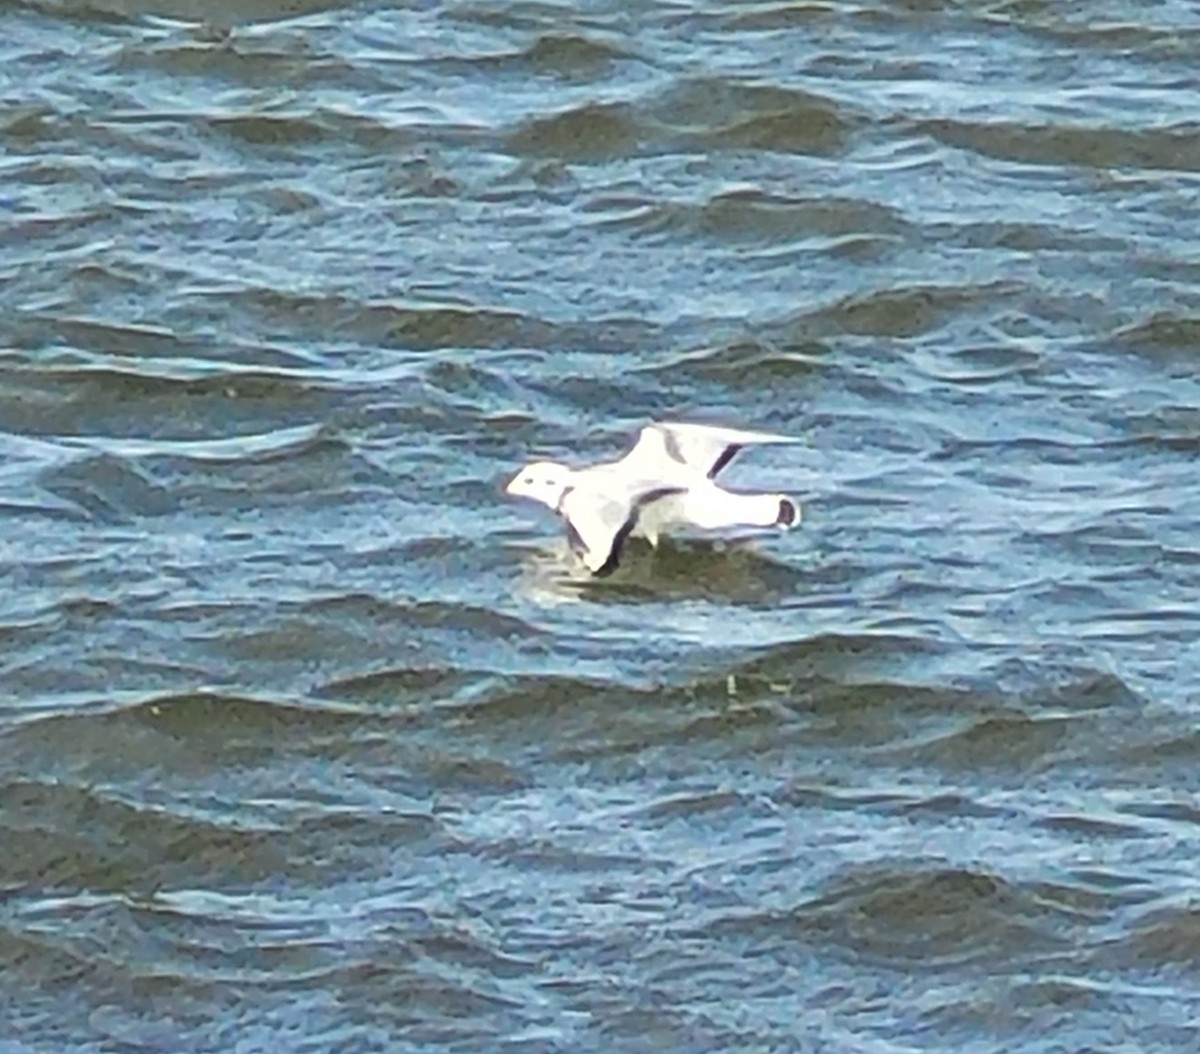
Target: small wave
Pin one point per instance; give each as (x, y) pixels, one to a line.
(750, 217)
(585, 134)
(811, 129)
(1164, 936)
(833, 654)
(981, 365)
(937, 915)
(1012, 739)
(114, 479)
(1163, 333)
(122, 845)
(746, 362)
(904, 312)
(95, 396)
(414, 326)
(193, 719)
(244, 12)
(433, 614)
(399, 685)
(573, 55)
(723, 112)
(252, 447)
(1170, 148)
(107, 488)
(309, 131)
(1024, 237)
(1157, 44)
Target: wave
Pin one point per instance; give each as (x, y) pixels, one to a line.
(1167, 148)
(903, 912)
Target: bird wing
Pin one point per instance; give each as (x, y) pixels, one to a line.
(707, 448)
(598, 522)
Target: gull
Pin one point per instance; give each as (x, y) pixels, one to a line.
(667, 479)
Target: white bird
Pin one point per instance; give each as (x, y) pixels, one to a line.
(667, 479)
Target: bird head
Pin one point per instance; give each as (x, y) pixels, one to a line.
(543, 481)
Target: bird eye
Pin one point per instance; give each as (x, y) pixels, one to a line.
(527, 479)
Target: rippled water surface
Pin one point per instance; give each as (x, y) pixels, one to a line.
(310, 741)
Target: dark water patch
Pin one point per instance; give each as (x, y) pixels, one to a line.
(423, 686)
(323, 470)
(301, 133)
(351, 842)
(539, 706)
(1025, 237)
(69, 837)
(814, 128)
(221, 720)
(749, 217)
(364, 653)
(592, 133)
(839, 656)
(769, 17)
(163, 478)
(1070, 725)
(88, 341)
(674, 571)
(749, 362)
(902, 312)
(469, 774)
(1091, 827)
(197, 733)
(258, 61)
(108, 679)
(473, 385)
(753, 709)
(1012, 740)
(429, 614)
(108, 489)
(1165, 334)
(27, 123)
(430, 1007)
(1168, 148)
(1168, 38)
(574, 55)
(177, 401)
(410, 326)
(719, 113)
(942, 917)
(1164, 937)
(1169, 741)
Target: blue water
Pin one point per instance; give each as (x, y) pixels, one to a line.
(310, 740)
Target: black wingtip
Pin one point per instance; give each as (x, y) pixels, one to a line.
(788, 513)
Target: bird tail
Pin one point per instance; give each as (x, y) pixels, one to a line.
(749, 510)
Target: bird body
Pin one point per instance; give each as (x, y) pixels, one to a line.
(667, 479)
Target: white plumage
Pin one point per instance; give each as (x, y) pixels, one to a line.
(667, 479)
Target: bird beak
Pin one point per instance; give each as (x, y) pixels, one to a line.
(510, 486)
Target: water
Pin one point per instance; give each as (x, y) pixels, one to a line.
(311, 741)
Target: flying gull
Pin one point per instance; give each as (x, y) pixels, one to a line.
(667, 479)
